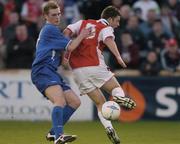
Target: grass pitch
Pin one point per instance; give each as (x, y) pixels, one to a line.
(12, 132)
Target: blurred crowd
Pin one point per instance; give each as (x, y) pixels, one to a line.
(148, 37)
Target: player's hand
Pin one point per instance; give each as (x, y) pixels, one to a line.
(121, 62)
(86, 33)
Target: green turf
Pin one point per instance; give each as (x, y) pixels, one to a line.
(92, 132)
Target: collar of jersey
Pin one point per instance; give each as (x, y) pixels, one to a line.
(104, 21)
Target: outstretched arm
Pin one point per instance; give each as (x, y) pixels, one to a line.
(109, 41)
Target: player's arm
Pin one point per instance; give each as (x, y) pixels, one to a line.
(68, 33)
(75, 42)
(59, 41)
(110, 43)
(66, 55)
(65, 60)
(74, 29)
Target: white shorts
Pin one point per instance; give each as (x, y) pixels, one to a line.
(92, 77)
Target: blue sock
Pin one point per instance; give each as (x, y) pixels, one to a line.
(67, 113)
(52, 131)
(57, 120)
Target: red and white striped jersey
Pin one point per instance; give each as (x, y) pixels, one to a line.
(89, 52)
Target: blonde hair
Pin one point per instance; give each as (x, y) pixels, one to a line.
(52, 4)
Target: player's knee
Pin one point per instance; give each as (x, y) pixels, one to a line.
(75, 103)
(118, 91)
(59, 101)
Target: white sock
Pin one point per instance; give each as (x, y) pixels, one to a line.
(105, 123)
(118, 92)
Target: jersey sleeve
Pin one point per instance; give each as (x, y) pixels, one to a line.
(106, 32)
(56, 39)
(75, 27)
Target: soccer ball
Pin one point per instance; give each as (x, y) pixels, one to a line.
(111, 110)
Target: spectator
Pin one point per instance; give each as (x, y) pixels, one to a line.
(138, 13)
(169, 21)
(170, 56)
(136, 33)
(20, 49)
(117, 3)
(71, 11)
(125, 12)
(30, 11)
(174, 5)
(145, 6)
(146, 26)
(9, 32)
(158, 37)
(129, 52)
(30, 14)
(9, 7)
(151, 66)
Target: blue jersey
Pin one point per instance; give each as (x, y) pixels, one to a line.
(50, 44)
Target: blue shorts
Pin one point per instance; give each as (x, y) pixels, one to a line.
(46, 77)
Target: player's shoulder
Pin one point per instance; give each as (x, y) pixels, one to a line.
(90, 20)
(102, 23)
(50, 27)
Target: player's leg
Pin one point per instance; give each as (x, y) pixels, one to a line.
(56, 96)
(72, 103)
(113, 87)
(98, 98)
(88, 79)
(103, 78)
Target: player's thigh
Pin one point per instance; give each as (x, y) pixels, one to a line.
(72, 99)
(100, 75)
(97, 97)
(110, 85)
(83, 80)
(55, 95)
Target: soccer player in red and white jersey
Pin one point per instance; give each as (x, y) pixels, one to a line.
(89, 68)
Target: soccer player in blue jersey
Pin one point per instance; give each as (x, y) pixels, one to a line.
(49, 48)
